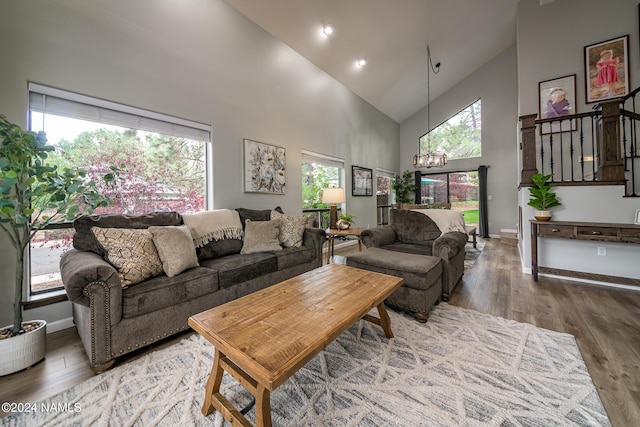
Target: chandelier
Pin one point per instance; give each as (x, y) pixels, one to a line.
(430, 158)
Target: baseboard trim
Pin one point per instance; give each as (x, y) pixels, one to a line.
(59, 325)
(592, 277)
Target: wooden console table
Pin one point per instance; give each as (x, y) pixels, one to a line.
(593, 231)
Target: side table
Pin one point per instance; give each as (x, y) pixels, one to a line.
(333, 233)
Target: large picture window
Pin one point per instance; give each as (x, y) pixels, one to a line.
(460, 137)
(318, 172)
(163, 161)
(385, 196)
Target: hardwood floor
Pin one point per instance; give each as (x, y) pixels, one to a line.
(605, 322)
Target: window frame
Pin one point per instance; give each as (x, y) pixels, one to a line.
(325, 160)
(43, 99)
(439, 149)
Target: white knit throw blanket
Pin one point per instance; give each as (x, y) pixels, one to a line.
(445, 219)
(217, 224)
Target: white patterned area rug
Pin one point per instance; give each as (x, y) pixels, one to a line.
(461, 368)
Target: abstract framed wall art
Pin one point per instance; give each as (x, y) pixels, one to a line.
(361, 181)
(264, 168)
(557, 98)
(606, 69)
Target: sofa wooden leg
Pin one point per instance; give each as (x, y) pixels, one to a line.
(445, 297)
(98, 369)
(421, 317)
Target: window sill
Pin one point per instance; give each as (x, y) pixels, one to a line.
(48, 298)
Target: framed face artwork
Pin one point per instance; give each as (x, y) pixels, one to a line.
(557, 98)
(606, 68)
(264, 168)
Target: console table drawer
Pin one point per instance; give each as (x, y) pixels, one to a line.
(608, 234)
(552, 230)
(631, 235)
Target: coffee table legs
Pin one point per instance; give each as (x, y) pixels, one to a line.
(384, 321)
(213, 399)
(213, 385)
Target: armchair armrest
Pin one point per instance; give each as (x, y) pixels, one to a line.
(315, 238)
(378, 236)
(89, 279)
(449, 244)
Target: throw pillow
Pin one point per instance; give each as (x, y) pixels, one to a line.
(255, 214)
(175, 248)
(261, 236)
(85, 240)
(131, 252)
(291, 230)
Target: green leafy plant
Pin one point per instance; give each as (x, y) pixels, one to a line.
(346, 217)
(542, 198)
(35, 194)
(405, 187)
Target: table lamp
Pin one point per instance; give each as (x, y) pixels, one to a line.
(333, 196)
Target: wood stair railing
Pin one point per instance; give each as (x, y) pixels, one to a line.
(595, 148)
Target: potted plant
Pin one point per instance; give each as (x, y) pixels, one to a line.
(345, 221)
(404, 187)
(542, 198)
(33, 195)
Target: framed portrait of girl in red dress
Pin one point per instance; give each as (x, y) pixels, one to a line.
(606, 68)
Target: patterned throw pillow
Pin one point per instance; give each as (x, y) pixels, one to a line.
(292, 229)
(175, 248)
(131, 251)
(261, 236)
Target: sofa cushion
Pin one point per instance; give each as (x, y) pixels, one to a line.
(175, 248)
(418, 271)
(290, 257)
(261, 236)
(234, 269)
(410, 248)
(291, 230)
(85, 240)
(413, 227)
(162, 291)
(131, 251)
(218, 248)
(256, 214)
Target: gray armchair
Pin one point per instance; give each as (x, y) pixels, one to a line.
(416, 233)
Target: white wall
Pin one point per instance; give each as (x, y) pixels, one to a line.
(199, 60)
(551, 41)
(495, 83)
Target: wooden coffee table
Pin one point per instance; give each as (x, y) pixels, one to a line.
(264, 338)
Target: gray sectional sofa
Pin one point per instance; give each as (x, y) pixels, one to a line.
(113, 320)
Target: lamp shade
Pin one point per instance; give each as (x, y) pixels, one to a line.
(333, 195)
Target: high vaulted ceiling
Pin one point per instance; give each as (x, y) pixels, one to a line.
(393, 36)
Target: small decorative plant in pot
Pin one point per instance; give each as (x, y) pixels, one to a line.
(34, 194)
(405, 187)
(542, 198)
(345, 221)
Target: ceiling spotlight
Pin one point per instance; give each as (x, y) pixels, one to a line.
(327, 30)
(361, 62)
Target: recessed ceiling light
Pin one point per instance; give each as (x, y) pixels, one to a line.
(327, 29)
(361, 62)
